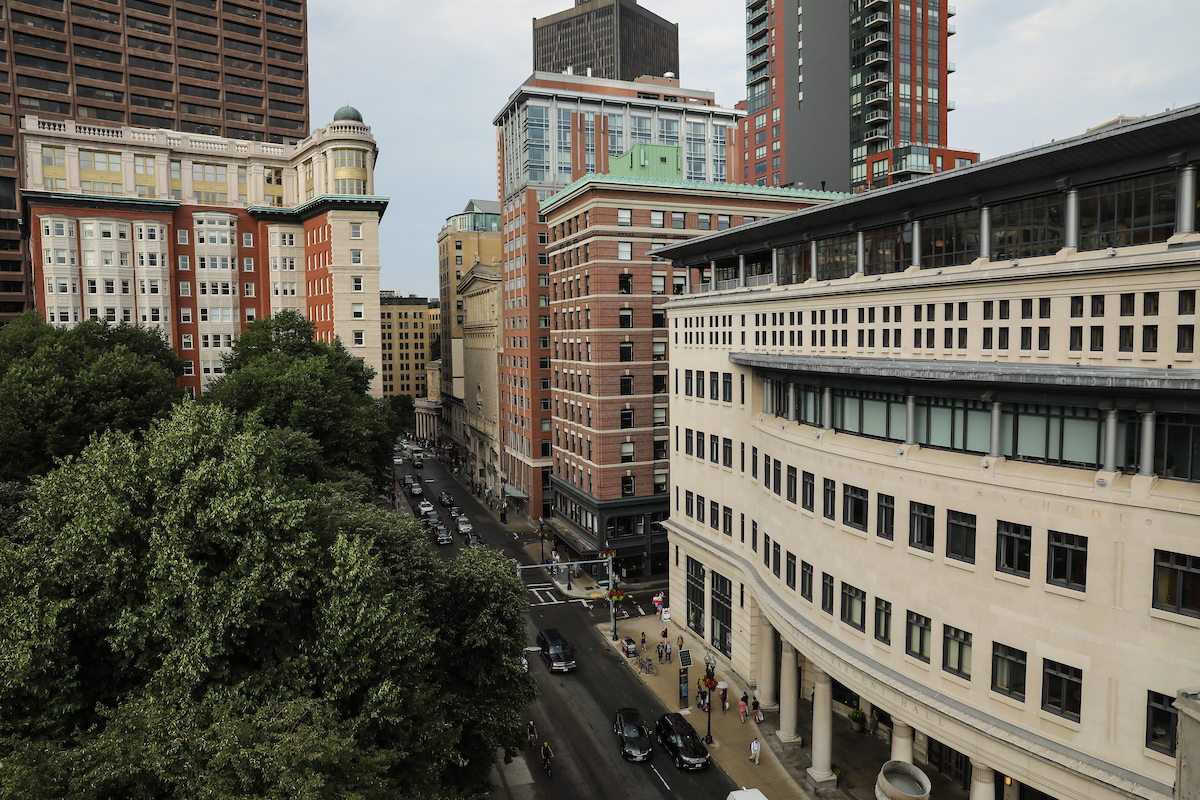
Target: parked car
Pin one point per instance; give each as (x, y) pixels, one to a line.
(432, 519)
(424, 507)
(445, 499)
(628, 647)
(632, 734)
(415, 489)
(418, 462)
(556, 650)
(678, 738)
(474, 540)
(442, 534)
(464, 525)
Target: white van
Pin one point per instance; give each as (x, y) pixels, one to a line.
(746, 794)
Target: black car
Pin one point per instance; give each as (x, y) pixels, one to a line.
(441, 534)
(445, 499)
(632, 734)
(474, 540)
(678, 738)
(432, 520)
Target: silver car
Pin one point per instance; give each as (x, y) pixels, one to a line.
(464, 525)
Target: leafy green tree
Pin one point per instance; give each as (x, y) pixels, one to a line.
(182, 616)
(281, 374)
(404, 411)
(59, 386)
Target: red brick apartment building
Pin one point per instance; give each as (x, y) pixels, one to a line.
(609, 378)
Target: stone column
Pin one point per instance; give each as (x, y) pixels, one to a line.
(1146, 451)
(774, 265)
(916, 243)
(861, 257)
(994, 447)
(1185, 209)
(1110, 440)
(791, 401)
(812, 258)
(766, 390)
(789, 694)
(185, 179)
(983, 780)
(741, 270)
(827, 408)
(985, 233)
(1072, 233)
(902, 742)
(820, 774)
(765, 690)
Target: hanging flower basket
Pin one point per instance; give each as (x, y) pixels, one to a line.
(616, 595)
(710, 684)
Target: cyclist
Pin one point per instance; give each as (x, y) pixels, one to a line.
(531, 729)
(547, 754)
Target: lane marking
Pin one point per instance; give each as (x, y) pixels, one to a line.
(660, 777)
(639, 608)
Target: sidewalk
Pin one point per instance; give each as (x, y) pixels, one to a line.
(782, 771)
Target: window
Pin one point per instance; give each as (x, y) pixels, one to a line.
(695, 596)
(656, 219)
(791, 484)
(919, 633)
(1162, 721)
(181, 236)
(624, 217)
(677, 219)
(1013, 543)
(626, 351)
(625, 317)
(791, 571)
(626, 452)
(1177, 583)
(854, 506)
(357, 283)
(829, 506)
(920, 526)
(854, 603)
(806, 580)
(826, 592)
(960, 536)
(356, 310)
(808, 491)
(626, 384)
(1062, 689)
(355, 230)
(727, 453)
(956, 652)
(883, 620)
(624, 251)
(885, 516)
(356, 257)
(627, 418)
(627, 487)
(1008, 671)
(358, 338)
(1066, 565)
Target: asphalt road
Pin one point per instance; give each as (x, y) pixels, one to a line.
(574, 712)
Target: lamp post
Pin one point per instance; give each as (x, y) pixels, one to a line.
(710, 667)
(612, 614)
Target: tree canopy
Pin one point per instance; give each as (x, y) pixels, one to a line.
(182, 615)
(277, 371)
(59, 386)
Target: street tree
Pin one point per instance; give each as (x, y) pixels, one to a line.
(181, 615)
(60, 386)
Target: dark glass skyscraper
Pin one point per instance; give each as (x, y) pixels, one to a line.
(616, 39)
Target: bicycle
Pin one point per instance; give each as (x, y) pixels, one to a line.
(647, 665)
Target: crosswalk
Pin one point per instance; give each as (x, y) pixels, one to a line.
(547, 594)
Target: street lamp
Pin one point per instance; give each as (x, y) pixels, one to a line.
(710, 667)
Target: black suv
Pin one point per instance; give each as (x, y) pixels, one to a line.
(632, 734)
(679, 739)
(556, 650)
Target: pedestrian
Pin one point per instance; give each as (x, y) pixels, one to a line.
(660, 652)
(742, 710)
(755, 748)
(668, 652)
(680, 642)
(644, 648)
(658, 604)
(664, 634)
(872, 722)
(724, 700)
(756, 709)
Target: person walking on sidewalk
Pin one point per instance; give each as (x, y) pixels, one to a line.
(756, 709)
(742, 709)
(755, 748)
(724, 700)
(644, 648)
(680, 641)
(660, 652)
(668, 652)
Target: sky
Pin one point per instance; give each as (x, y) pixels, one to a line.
(430, 76)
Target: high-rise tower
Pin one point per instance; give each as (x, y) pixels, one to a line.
(846, 96)
(615, 39)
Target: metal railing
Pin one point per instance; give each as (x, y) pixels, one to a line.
(732, 283)
(699, 288)
(760, 280)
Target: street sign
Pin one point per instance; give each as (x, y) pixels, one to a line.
(685, 658)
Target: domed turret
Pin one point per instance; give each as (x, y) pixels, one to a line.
(347, 114)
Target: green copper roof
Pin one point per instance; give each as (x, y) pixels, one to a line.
(706, 186)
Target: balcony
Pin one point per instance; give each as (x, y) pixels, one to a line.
(760, 74)
(876, 19)
(951, 105)
(880, 115)
(873, 3)
(876, 134)
(876, 77)
(756, 29)
(950, 67)
(757, 11)
(878, 57)
(877, 39)
(950, 30)
(757, 60)
(757, 46)
(879, 97)
(910, 160)
(951, 11)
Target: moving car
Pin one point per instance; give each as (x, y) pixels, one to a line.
(418, 462)
(556, 650)
(415, 489)
(678, 738)
(464, 525)
(432, 520)
(445, 499)
(632, 734)
(408, 480)
(442, 534)
(424, 507)
(474, 540)
(397, 459)
(455, 512)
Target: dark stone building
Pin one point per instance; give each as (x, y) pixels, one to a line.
(616, 39)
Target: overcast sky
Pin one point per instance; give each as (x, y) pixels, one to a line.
(429, 76)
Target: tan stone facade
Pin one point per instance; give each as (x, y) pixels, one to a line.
(952, 481)
(480, 293)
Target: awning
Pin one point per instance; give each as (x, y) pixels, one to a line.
(511, 491)
(577, 541)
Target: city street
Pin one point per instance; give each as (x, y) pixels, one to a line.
(574, 712)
